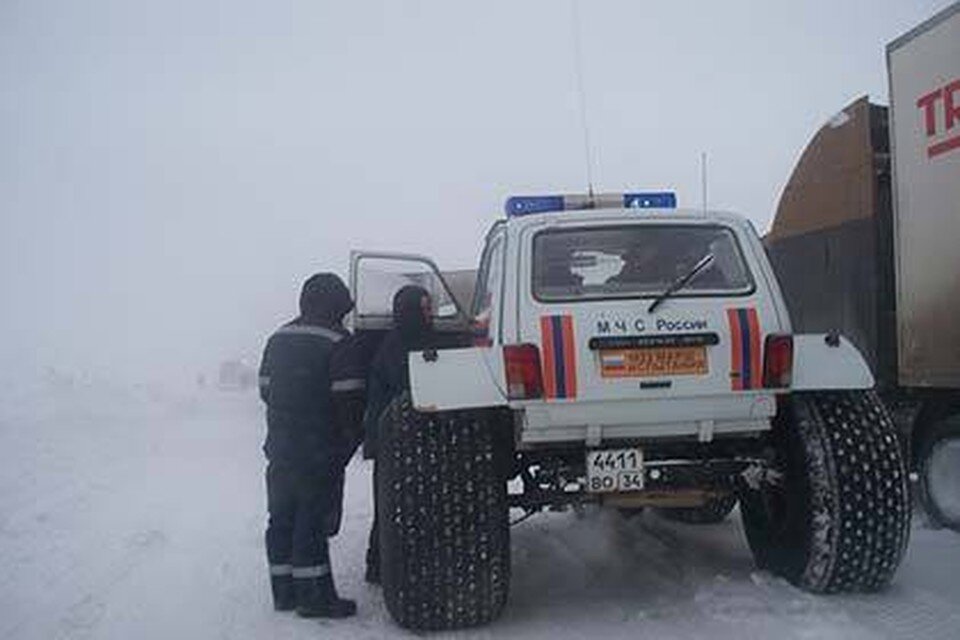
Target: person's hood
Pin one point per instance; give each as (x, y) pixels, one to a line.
(408, 314)
(324, 300)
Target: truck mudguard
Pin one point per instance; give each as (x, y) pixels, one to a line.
(457, 379)
(828, 361)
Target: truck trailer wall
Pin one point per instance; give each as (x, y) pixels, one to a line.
(924, 67)
(831, 240)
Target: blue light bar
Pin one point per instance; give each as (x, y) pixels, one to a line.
(527, 205)
(654, 200)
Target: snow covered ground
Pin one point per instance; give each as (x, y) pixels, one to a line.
(138, 513)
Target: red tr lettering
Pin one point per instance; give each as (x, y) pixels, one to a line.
(951, 103)
(928, 104)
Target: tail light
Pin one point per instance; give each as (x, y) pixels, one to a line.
(522, 365)
(778, 361)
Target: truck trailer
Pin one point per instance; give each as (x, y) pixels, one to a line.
(865, 244)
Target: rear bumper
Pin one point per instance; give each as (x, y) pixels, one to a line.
(594, 435)
(593, 423)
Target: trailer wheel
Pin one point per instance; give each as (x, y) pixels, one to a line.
(716, 510)
(838, 518)
(444, 532)
(938, 466)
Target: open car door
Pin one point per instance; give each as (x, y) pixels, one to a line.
(375, 277)
(455, 374)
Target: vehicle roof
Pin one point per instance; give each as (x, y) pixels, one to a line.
(631, 215)
(940, 17)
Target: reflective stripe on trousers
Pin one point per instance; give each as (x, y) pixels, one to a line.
(316, 571)
(349, 384)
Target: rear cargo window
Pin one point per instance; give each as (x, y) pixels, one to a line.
(636, 261)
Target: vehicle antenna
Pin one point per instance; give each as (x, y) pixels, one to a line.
(578, 73)
(703, 178)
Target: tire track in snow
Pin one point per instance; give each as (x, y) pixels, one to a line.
(83, 616)
(906, 613)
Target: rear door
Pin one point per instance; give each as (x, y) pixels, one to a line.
(609, 358)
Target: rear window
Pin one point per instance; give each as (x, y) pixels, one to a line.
(636, 261)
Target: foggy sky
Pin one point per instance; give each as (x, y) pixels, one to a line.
(171, 171)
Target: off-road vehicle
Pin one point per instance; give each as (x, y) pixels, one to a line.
(623, 352)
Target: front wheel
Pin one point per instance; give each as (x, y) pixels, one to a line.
(835, 515)
(442, 508)
(938, 468)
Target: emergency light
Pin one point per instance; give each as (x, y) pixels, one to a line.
(527, 205)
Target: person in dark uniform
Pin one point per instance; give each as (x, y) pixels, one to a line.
(312, 381)
(412, 331)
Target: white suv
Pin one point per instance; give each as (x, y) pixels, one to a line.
(623, 352)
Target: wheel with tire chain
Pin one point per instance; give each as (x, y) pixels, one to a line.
(839, 517)
(938, 468)
(714, 511)
(444, 529)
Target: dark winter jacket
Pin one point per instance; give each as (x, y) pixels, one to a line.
(311, 379)
(389, 374)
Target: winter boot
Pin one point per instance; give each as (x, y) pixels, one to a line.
(317, 598)
(284, 598)
(372, 575)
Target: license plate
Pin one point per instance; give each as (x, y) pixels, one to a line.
(614, 470)
(653, 362)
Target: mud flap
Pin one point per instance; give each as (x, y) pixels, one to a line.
(448, 379)
(825, 361)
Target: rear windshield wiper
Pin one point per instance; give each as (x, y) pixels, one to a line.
(681, 282)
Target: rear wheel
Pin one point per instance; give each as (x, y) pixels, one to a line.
(837, 516)
(714, 511)
(938, 466)
(630, 512)
(444, 532)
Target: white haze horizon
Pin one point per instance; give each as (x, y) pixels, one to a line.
(171, 172)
